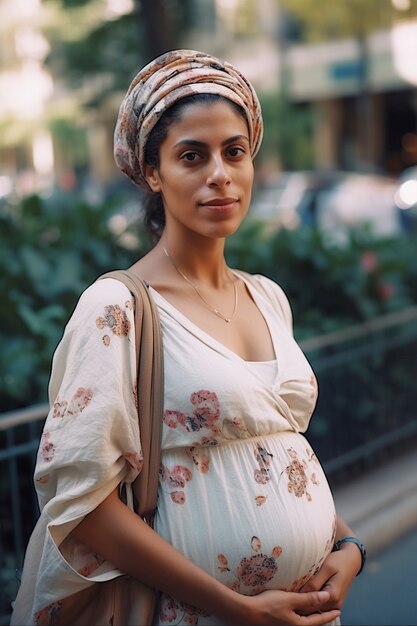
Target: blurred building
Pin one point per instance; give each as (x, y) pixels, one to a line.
(363, 92)
(365, 97)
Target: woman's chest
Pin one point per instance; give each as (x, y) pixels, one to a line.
(212, 396)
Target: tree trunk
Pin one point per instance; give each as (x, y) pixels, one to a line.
(157, 27)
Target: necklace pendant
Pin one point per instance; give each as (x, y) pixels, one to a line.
(223, 317)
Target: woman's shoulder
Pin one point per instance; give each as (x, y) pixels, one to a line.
(100, 296)
(99, 335)
(262, 281)
(273, 292)
(102, 289)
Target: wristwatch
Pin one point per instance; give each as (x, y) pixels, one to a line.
(338, 544)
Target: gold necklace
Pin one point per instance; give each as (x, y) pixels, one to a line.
(212, 309)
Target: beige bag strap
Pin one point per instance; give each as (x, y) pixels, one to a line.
(150, 389)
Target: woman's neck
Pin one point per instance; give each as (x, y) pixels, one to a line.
(201, 263)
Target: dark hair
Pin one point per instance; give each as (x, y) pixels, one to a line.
(153, 208)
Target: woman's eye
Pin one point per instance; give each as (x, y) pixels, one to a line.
(190, 156)
(236, 151)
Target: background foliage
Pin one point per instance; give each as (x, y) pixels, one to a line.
(52, 248)
(50, 251)
(289, 132)
(331, 285)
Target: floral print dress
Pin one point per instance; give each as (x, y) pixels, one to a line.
(241, 492)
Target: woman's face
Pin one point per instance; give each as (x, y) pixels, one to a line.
(205, 175)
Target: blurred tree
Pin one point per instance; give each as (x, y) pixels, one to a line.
(289, 132)
(98, 44)
(96, 47)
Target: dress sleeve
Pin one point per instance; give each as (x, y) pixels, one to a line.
(90, 443)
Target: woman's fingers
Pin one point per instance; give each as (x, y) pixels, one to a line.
(318, 619)
(285, 608)
(311, 608)
(313, 600)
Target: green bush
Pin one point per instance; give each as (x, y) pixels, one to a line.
(330, 286)
(51, 249)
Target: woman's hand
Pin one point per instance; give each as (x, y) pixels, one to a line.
(339, 570)
(336, 575)
(284, 608)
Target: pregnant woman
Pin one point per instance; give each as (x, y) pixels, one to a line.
(245, 526)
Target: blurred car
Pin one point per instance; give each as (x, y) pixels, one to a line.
(333, 201)
(361, 201)
(290, 199)
(405, 199)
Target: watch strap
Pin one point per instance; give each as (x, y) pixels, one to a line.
(338, 544)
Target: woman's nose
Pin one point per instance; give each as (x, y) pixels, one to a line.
(218, 174)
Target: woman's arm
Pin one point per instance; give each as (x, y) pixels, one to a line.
(119, 535)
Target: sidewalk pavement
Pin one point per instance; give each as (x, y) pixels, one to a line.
(381, 505)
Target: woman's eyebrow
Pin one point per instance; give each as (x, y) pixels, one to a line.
(235, 138)
(190, 142)
(202, 144)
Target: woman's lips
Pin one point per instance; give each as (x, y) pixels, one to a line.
(220, 205)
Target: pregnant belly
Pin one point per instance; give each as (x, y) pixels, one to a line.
(256, 514)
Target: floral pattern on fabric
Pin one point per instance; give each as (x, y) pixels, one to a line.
(315, 390)
(173, 611)
(94, 562)
(135, 462)
(235, 427)
(47, 448)
(81, 398)
(116, 319)
(253, 572)
(84, 560)
(43, 480)
(48, 615)
(200, 459)
(175, 481)
(263, 458)
(298, 477)
(205, 416)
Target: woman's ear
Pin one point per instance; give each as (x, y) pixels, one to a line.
(152, 177)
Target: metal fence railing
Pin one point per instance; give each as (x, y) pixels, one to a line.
(367, 399)
(19, 438)
(368, 394)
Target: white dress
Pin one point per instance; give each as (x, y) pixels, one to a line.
(241, 492)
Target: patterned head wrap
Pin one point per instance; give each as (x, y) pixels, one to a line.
(165, 80)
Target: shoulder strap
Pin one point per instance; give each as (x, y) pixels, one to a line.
(150, 392)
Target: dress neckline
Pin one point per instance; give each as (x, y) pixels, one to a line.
(265, 370)
(215, 343)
